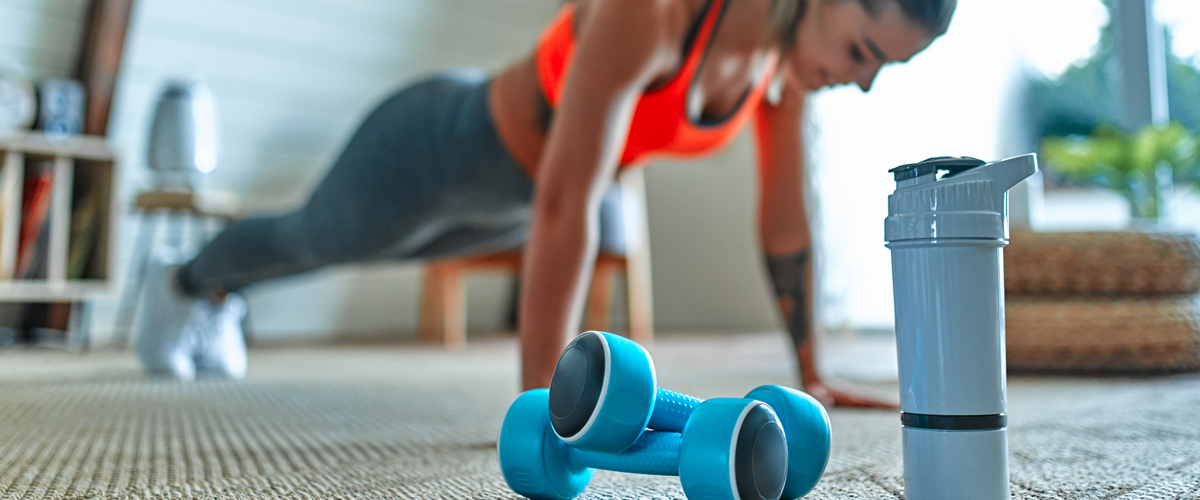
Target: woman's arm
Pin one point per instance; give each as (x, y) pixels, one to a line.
(786, 238)
(623, 46)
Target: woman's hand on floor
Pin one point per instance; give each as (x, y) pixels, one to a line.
(831, 397)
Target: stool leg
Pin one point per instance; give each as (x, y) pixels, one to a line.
(641, 321)
(513, 322)
(443, 306)
(433, 305)
(176, 221)
(133, 284)
(599, 300)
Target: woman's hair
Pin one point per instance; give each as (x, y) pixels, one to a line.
(931, 15)
(785, 16)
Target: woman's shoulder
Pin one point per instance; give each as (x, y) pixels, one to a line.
(650, 31)
(671, 17)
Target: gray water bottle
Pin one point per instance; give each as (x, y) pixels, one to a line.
(183, 135)
(947, 226)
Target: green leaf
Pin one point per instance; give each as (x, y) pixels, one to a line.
(1117, 160)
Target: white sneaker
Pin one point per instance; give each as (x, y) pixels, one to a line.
(179, 335)
(165, 341)
(221, 351)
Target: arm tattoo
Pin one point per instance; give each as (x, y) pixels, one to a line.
(789, 273)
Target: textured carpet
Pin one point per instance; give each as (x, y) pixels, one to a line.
(411, 422)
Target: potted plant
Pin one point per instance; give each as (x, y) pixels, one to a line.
(1142, 166)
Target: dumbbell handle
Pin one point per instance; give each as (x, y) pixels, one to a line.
(671, 411)
(655, 452)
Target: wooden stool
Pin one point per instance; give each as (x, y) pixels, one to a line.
(443, 300)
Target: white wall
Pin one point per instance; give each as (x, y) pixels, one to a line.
(40, 38)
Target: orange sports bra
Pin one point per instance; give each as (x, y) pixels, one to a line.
(661, 127)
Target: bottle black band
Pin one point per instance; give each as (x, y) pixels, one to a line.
(954, 422)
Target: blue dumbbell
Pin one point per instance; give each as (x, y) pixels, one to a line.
(807, 430)
(730, 449)
(604, 394)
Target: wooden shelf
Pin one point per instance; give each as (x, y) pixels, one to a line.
(80, 147)
(55, 291)
(76, 161)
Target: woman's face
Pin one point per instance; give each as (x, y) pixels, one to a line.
(838, 42)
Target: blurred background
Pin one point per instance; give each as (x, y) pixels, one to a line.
(290, 80)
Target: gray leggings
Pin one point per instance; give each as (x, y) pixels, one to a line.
(425, 177)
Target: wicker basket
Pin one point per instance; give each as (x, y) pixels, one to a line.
(1089, 263)
(1095, 334)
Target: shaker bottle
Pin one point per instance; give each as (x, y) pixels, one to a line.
(947, 226)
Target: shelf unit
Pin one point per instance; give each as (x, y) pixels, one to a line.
(77, 160)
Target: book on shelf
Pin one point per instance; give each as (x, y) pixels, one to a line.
(35, 219)
(88, 198)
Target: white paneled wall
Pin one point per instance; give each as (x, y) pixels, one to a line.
(40, 38)
(292, 78)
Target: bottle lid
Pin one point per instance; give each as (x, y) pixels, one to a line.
(952, 165)
(954, 197)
